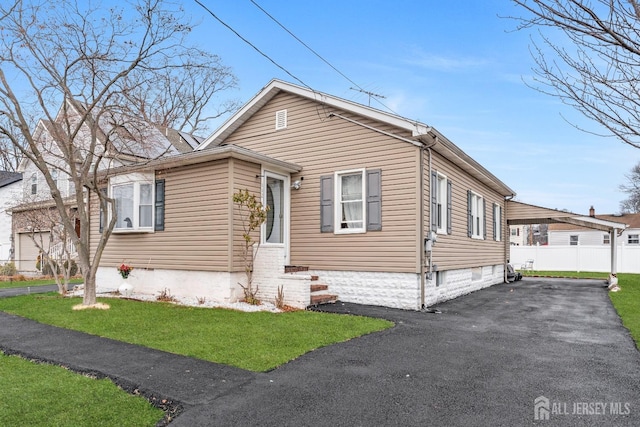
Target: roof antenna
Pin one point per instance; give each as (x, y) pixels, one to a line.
(366, 92)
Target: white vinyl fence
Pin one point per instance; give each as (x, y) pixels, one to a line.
(576, 258)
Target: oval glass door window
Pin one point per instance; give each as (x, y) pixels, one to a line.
(274, 227)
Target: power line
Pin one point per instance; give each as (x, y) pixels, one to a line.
(304, 44)
(252, 45)
(359, 88)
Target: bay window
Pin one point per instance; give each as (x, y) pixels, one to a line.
(134, 202)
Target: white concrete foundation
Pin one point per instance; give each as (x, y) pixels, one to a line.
(456, 283)
(216, 286)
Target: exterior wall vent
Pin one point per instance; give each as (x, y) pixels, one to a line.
(281, 119)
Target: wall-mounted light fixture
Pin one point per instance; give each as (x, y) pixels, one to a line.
(296, 184)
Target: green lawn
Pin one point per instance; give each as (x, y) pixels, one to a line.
(627, 303)
(36, 282)
(255, 341)
(575, 274)
(44, 395)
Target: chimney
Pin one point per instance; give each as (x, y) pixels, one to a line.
(592, 212)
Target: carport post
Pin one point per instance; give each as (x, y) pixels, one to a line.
(614, 253)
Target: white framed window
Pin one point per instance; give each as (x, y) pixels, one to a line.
(573, 240)
(497, 222)
(477, 216)
(606, 239)
(633, 239)
(350, 201)
(134, 202)
(441, 204)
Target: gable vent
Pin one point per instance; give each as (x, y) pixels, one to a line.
(281, 119)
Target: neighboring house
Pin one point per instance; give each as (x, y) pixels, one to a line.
(517, 235)
(10, 190)
(34, 210)
(381, 209)
(573, 235)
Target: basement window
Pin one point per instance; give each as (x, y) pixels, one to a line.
(476, 274)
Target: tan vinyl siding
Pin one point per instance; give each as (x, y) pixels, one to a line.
(324, 146)
(245, 176)
(457, 250)
(524, 213)
(196, 232)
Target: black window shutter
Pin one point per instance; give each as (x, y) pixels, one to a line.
(484, 219)
(449, 206)
(434, 201)
(103, 217)
(159, 206)
(374, 200)
(326, 204)
(469, 215)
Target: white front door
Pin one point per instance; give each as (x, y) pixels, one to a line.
(275, 195)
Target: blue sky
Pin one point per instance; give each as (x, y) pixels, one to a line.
(458, 67)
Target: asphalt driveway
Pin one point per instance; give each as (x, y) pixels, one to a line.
(482, 361)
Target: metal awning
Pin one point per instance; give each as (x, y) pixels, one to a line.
(518, 213)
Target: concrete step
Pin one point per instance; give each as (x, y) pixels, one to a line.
(323, 299)
(319, 288)
(295, 268)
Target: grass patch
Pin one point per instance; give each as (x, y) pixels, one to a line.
(627, 303)
(571, 274)
(255, 341)
(44, 395)
(35, 282)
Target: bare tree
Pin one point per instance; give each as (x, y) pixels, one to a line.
(172, 97)
(86, 59)
(10, 155)
(41, 220)
(632, 188)
(589, 58)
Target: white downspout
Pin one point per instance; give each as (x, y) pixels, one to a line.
(423, 216)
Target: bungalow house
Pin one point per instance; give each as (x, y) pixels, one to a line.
(34, 213)
(365, 206)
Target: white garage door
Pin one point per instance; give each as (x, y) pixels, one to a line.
(27, 252)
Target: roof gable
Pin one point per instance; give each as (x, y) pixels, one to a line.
(422, 135)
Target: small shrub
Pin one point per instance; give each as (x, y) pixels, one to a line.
(279, 301)
(73, 270)
(19, 278)
(9, 269)
(48, 271)
(165, 296)
(201, 300)
(251, 299)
